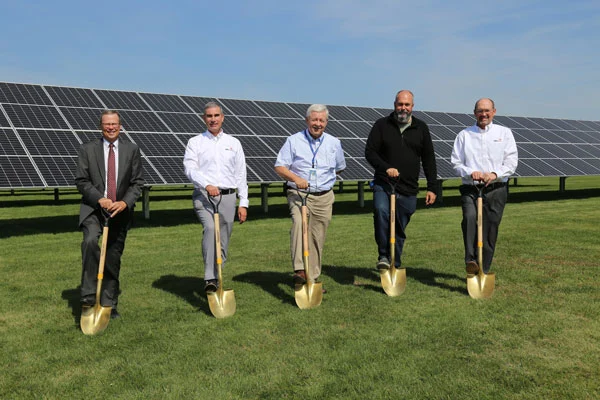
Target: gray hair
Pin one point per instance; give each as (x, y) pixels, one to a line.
(318, 108)
(212, 104)
(109, 112)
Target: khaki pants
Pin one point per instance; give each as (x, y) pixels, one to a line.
(319, 216)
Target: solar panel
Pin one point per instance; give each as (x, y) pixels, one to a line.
(73, 97)
(356, 169)
(57, 171)
(261, 126)
(42, 128)
(3, 121)
(243, 107)
(158, 144)
(183, 122)
(10, 144)
(166, 102)
(82, 118)
(278, 110)
(367, 114)
(27, 116)
(23, 94)
(254, 147)
(49, 143)
(353, 147)
(115, 100)
(18, 172)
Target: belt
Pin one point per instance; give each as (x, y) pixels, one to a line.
(491, 186)
(315, 193)
(226, 191)
(320, 193)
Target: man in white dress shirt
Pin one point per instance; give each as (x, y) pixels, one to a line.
(215, 163)
(484, 153)
(309, 161)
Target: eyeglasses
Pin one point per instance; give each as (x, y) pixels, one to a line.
(111, 124)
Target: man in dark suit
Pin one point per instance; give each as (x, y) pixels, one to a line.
(110, 179)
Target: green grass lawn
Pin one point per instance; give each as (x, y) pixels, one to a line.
(538, 337)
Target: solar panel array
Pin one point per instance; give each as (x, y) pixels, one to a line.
(43, 126)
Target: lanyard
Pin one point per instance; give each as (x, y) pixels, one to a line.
(310, 144)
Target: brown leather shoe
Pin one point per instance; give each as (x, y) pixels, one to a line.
(472, 268)
(299, 277)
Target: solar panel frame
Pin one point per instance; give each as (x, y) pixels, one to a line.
(278, 110)
(3, 119)
(82, 118)
(366, 113)
(154, 144)
(182, 122)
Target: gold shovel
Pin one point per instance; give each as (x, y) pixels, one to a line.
(95, 319)
(480, 285)
(310, 294)
(393, 280)
(221, 302)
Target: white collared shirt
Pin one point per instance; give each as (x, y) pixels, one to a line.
(492, 149)
(105, 145)
(218, 161)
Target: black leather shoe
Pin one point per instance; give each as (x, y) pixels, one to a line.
(472, 268)
(88, 301)
(114, 314)
(211, 286)
(299, 277)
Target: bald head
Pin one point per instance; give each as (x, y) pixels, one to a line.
(485, 110)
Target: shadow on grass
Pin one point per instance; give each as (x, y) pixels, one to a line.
(72, 298)
(348, 276)
(429, 277)
(352, 276)
(68, 223)
(271, 283)
(189, 288)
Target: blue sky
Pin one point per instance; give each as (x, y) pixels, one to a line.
(534, 58)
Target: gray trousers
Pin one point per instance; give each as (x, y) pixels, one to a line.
(204, 211)
(493, 208)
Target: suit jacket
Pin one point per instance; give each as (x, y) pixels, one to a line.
(90, 176)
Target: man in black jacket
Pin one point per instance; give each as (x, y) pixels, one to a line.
(397, 146)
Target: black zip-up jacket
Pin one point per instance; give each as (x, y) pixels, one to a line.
(388, 148)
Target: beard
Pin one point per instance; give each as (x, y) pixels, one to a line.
(402, 117)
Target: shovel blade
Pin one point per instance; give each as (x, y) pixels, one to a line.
(309, 295)
(393, 281)
(94, 319)
(481, 286)
(222, 303)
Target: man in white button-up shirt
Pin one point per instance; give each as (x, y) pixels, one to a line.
(215, 163)
(485, 153)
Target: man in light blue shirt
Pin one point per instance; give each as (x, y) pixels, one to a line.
(309, 161)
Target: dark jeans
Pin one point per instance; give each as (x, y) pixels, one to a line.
(493, 208)
(405, 208)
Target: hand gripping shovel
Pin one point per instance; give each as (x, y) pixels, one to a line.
(480, 285)
(95, 319)
(310, 294)
(393, 280)
(221, 302)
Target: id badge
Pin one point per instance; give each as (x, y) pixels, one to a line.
(312, 178)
